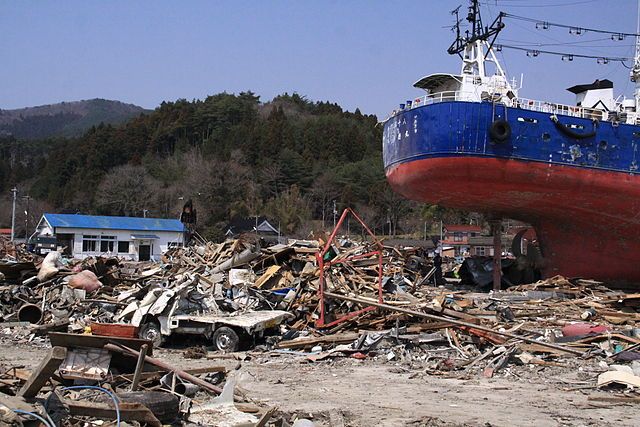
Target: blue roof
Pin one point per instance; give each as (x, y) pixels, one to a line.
(113, 222)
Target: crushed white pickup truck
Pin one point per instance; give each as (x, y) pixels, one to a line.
(185, 309)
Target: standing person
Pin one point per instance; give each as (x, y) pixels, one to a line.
(437, 263)
(188, 217)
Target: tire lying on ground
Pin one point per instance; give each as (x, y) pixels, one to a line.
(164, 406)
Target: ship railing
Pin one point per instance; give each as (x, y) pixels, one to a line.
(524, 103)
(554, 108)
(434, 98)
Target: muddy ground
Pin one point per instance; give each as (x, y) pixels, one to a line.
(376, 392)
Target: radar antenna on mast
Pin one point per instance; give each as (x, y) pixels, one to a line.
(635, 70)
(478, 32)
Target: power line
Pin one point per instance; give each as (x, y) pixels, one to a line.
(495, 2)
(565, 56)
(580, 44)
(573, 29)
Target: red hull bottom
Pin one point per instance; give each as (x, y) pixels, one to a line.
(587, 220)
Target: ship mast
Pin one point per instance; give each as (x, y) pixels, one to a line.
(635, 70)
(470, 47)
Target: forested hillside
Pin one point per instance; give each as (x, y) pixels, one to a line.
(288, 158)
(66, 119)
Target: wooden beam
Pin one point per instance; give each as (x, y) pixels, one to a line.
(43, 372)
(333, 339)
(159, 363)
(139, 365)
(453, 321)
(128, 411)
(264, 419)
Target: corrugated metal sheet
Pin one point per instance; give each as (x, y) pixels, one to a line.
(113, 222)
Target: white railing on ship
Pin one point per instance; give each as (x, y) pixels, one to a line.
(553, 108)
(526, 104)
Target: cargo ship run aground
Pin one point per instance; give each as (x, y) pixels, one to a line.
(569, 170)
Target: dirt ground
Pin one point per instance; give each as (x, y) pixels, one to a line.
(380, 393)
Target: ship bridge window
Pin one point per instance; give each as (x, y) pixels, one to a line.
(527, 120)
(546, 137)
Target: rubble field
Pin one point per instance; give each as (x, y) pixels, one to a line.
(368, 393)
(327, 332)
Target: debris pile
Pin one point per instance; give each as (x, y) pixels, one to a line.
(230, 278)
(84, 378)
(327, 299)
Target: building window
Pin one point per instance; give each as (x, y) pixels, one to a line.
(107, 243)
(89, 243)
(480, 250)
(123, 247)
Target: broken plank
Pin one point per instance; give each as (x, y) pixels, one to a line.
(43, 372)
(128, 411)
(337, 338)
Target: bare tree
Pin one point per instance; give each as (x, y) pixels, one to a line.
(323, 193)
(127, 190)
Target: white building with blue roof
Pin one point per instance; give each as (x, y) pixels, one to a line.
(138, 239)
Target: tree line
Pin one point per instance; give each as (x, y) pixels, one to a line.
(233, 155)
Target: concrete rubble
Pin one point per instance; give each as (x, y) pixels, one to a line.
(316, 301)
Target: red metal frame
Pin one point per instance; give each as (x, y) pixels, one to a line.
(320, 323)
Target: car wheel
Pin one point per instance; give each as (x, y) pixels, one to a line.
(151, 331)
(226, 339)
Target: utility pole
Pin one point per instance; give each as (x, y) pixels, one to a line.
(256, 228)
(335, 212)
(14, 190)
(26, 219)
(497, 253)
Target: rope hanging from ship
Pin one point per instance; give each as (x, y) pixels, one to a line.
(565, 129)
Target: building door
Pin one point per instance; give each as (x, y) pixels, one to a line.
(65, 241)
(144, 252)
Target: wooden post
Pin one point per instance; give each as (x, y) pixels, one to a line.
(496, 230)
(43, 372)
(138, 371)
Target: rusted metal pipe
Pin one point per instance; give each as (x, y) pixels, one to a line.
(452, 321)
(30, 313)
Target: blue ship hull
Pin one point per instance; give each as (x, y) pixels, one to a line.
(454, 129)
(578, 185)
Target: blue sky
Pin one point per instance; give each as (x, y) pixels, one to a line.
(358, 53)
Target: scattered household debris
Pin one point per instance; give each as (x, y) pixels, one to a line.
(322, 299)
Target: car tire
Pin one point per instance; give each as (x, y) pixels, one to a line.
(150, 330)
(226, 339)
